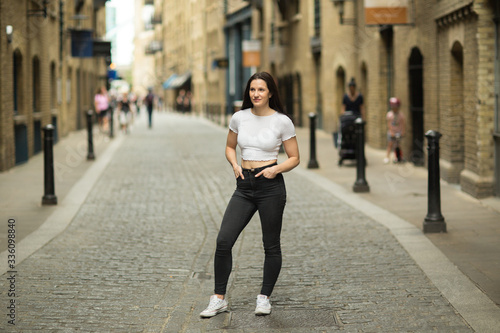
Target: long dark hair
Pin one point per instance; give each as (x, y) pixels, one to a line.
(274, 101)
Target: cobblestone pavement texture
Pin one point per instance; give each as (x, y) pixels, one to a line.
(138, 256)
(70, 163)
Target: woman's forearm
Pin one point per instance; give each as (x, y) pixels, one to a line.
(231, 156)
(288, 165)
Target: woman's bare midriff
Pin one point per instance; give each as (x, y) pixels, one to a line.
(255, 164)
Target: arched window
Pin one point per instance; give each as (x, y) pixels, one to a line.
(363, 89)
(456, 121)
(340, 85)
(317, 18)
(364, 86)
(416, 94)
(53, 86)
(36, 84)
(17, 81)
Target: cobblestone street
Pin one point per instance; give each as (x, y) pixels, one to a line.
(138, 256)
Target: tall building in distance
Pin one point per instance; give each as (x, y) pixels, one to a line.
(143, 66)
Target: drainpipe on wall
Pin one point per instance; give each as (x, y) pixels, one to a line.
(496, 134)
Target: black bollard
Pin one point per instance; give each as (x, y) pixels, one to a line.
(434, 221)
(360, 185)
(90, 155)
(111, 125)
(49, 197)
(313, 163)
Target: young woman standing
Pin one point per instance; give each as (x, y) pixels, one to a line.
(259, 129)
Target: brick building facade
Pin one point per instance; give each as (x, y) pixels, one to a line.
(443, 64)
(41, 82)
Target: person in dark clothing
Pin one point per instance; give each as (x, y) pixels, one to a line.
(149, 102)
(353, 101)
(259, 130)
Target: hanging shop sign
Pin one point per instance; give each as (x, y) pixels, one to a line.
(386, 12)
(251, 53)
(101, 48)
(82, 44)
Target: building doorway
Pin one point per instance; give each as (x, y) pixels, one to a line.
(340, 88)
(363, 89)
(457, 128)
(298, 99)
(416, 94)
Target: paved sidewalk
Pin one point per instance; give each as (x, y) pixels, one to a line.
(472, 241)
(138, 253)
(22, 187)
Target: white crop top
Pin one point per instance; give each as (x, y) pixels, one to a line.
(260, 137)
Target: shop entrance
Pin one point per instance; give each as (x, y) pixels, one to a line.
(416, 93)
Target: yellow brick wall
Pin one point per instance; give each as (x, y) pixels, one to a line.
(36, 37)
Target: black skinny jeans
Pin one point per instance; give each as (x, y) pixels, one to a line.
(268, 196)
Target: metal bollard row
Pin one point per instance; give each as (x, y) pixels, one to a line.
(361, 185)
(90, 154)
(313, 163)
(49, 197)
(434, 221)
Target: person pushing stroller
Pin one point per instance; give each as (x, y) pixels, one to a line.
(352, 108)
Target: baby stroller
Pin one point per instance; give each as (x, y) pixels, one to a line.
(397, 149)
(346, 141)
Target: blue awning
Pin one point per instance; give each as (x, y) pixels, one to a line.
(168, 82)
(177, 81)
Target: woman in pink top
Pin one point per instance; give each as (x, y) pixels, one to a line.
(101, 104)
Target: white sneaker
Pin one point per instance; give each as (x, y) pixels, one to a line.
(263, 305)
(386, 160)
(215, 306)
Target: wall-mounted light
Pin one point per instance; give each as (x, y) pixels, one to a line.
(9, 31)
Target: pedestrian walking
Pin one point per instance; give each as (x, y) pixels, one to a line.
(149, 102)
(187, 102)
(395, 130)
(353, 101)
(125, 113)
(259, 129)
(101, 106)
(180, 101)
